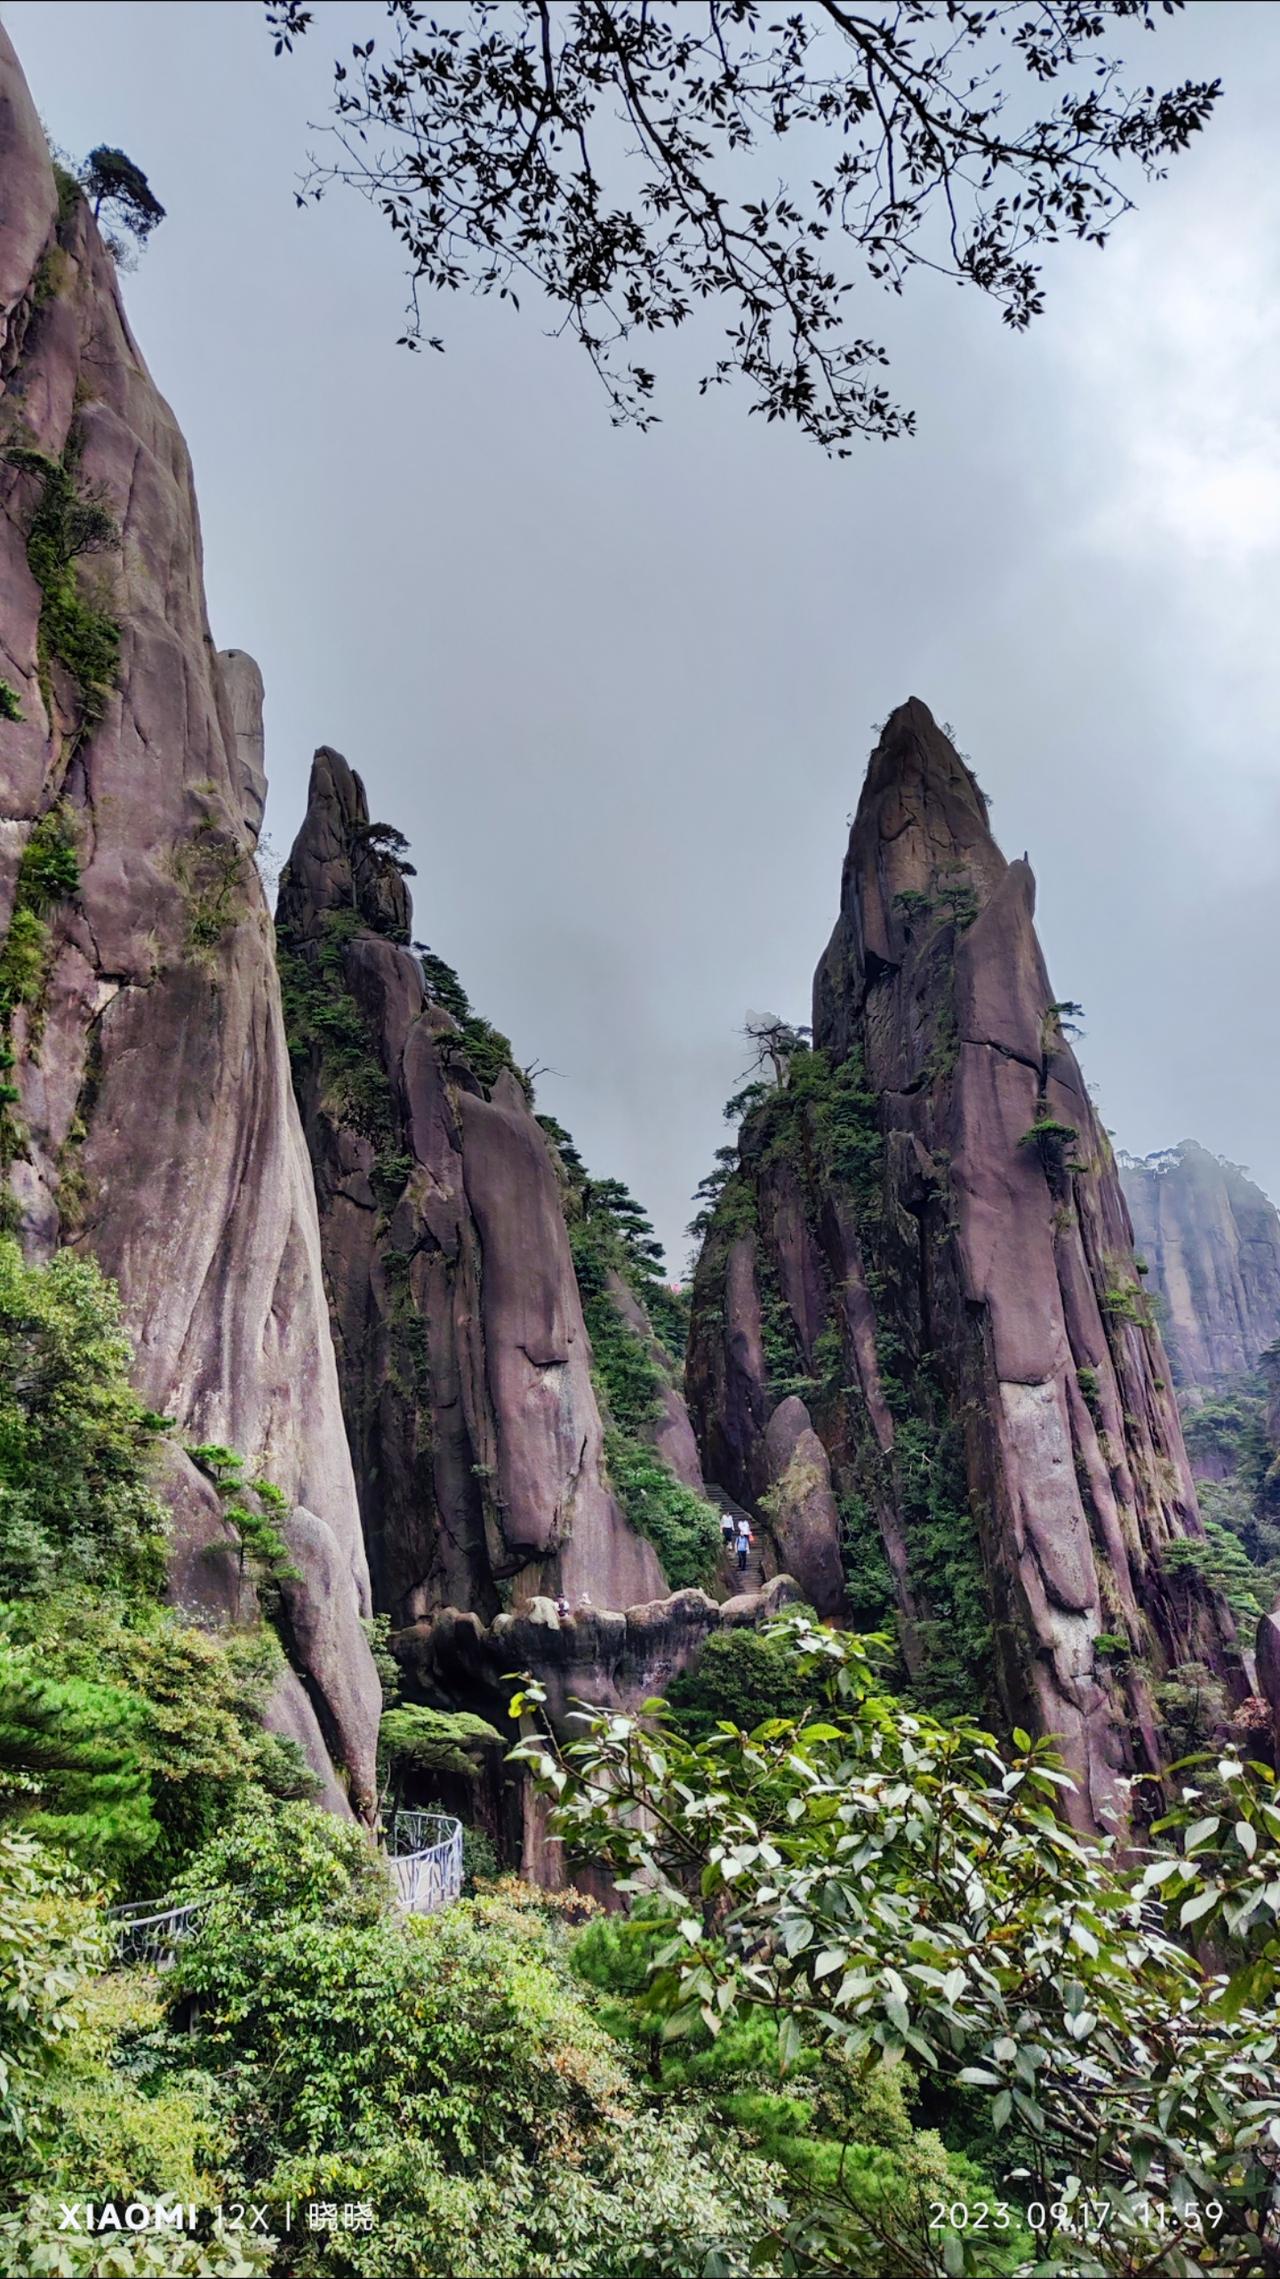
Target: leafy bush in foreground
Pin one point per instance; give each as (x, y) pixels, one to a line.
(887, 1888)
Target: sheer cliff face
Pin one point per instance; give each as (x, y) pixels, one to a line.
(918, 1319)
(154, 1122)
(465, 1364)
(1212, 1240)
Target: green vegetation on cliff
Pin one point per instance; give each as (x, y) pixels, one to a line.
(310, 2043)
(1229, 1435)
(610, 1236)
(130, 1726)
(48, 873)
(486, 1051)
(815, 1135)
(322, 1016)
(78, 630)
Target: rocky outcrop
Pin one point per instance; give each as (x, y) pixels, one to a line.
(1212, 1241)
(669, 1432)
(611, 1659)
(153, 1121)
(465, 1363)
(615, 1659)
(924, 1262)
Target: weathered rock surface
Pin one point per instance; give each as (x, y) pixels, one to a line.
(156, 1124)
(1212, 1241)
(925, 1263)
(671, 1432)
(242, 687)
(465, 1363)
(608, 1659)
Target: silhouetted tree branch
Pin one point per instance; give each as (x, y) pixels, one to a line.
(927, 141)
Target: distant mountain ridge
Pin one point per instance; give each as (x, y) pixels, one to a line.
(1211, 1240)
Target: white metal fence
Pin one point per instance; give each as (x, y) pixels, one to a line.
(423, 1852)
(150, 1929)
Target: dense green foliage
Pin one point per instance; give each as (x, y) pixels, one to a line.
(1240, 1555)
(48, 873)
(957, 1674)
(49, 1941)
(445, 2072)
(610, 1237)
(413, 1738)
(962, 1988)
(882, 1888)
(115, 181)
(126, 1732)
(71, 519)
(683, 1529)
(310, 2043)
(817, 1133)
(826, 2130)
(70, 1766)
(869, 1596)
(76, 1502)
(742, 1675)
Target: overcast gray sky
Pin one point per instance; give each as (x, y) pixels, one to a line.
(618, 690)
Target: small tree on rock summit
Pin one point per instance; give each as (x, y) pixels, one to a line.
(121, 195)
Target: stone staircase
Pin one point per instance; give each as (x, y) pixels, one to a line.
(729, 1583)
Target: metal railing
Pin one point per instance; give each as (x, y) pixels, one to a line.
(424, 1854)
(150, 1929)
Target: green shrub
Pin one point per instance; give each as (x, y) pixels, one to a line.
(871, 1601)
(48, 873)
(480, 1862)
(212, 870)
(1221, 1560)
(76, 1444)
(70, 1766)
(252, 1510)
(22, 960)
(413, 1738)
(683, 1529)
(446, 2070)
(743, 1675)
(49, 1944)
(876, 1886)
(1090, 1389)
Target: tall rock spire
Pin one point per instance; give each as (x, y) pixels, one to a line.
(154, 1122)
(927, 1247)
(465, 1362)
